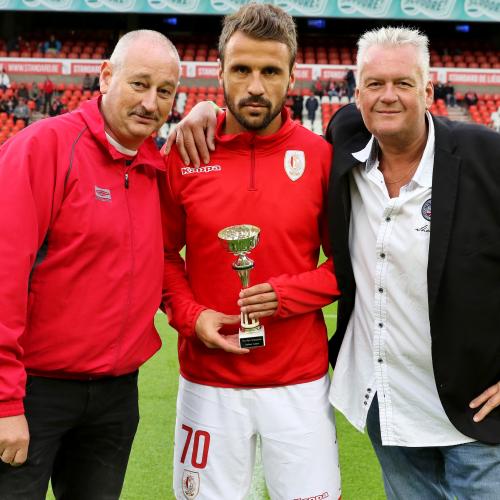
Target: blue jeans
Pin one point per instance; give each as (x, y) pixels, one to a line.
(469, 471)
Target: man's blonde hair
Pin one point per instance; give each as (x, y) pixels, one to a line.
(395, 37)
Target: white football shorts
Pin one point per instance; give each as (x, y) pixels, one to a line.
(215, 440)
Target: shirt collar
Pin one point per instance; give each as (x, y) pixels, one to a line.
(119, 147)
(423, 175)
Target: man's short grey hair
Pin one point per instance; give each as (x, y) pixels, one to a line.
(396, 37)
(154, 37)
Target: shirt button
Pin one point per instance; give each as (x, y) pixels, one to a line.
(382, 255)
(380, 290)
(368, 390)
(380, 325)
(380, 360)
(365, 403)
(388, 219)
(366, 396)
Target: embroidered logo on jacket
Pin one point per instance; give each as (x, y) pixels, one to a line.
(190, 484)
(295, 164)
(205, 169)
(426, 210)
(102, 194)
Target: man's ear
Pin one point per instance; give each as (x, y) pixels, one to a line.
(105, 76)
(291, 82)
(220, 73)
(356, 97)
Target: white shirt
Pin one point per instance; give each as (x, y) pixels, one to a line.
(119, 147)
(387, 344)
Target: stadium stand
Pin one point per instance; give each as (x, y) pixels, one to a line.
(200, 46)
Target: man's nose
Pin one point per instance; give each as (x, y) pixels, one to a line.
(150, 100)
(255, 86)
(389, 94)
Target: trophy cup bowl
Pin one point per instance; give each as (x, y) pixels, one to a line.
(241, 240)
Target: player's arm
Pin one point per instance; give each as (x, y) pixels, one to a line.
(185, 313)
(194, 134)
(290, 294)
(287, 295)
(29, 191)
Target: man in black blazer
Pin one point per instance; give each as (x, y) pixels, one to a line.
(417, 346)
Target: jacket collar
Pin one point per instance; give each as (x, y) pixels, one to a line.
(264, 142)
(147, 154)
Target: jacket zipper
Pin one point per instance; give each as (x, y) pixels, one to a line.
(252, 165)
(132, 265)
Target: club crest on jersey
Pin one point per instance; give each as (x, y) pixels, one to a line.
(190, 484)
(295, 164)
(426, 210)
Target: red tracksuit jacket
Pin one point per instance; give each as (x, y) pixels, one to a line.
(80, 254)
(250, 181)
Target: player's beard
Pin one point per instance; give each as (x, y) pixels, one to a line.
(265, 120)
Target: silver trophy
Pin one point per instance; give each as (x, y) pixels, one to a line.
(241, 240)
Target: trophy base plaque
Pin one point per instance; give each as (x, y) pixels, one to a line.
(252, 338)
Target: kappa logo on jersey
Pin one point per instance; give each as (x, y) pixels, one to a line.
(295, 164)
(205, 169)
(102, 194)
(190, 484)
(315, 497)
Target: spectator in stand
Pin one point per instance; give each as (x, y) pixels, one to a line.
(4, 80)
(439, 91)
(449, 94)
(350, 83)
(48, 90)
(174, 116)
(21, 111)
(87, 83)
(16, 44)
(52, 46)
(297, 107)
(23, 92)
(470, 98)
(332, 89)
(55, 107)
(10, 104)
(95, 85)
(312, 105)
(36, 95)
(317, 87)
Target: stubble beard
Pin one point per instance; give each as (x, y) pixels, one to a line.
(254, 126)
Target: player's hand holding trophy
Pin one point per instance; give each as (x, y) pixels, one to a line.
(241, 240)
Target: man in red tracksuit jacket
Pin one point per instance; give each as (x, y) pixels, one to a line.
(80, 266)
(270, 172)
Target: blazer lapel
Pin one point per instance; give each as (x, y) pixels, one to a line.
(445, 179)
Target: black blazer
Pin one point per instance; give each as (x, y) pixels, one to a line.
(463, 270)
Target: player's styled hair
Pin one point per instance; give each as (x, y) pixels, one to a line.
(154, 37)
(396, 37)
(262, 22)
